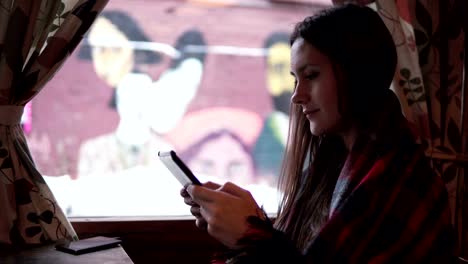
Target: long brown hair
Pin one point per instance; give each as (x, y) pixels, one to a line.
(309, 173)
(357, 42)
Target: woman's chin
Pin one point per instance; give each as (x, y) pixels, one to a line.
(320, 130)
(316, 131)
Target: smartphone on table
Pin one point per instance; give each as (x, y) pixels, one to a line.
(178, 168)
(88, 245)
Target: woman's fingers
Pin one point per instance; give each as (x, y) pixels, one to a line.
(201, 223)
(199, 220)
(204, 194)
(226, 214)
(187, 198)
(195, 211)
(189, 201)
(223, 211)
(184, 193)
(201, 194)
(235, 190)
(211, 185)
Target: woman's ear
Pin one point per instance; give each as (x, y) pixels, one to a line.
(343, 91)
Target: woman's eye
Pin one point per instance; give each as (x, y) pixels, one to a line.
(312, 76)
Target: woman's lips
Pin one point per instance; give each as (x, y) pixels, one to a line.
(310, 113)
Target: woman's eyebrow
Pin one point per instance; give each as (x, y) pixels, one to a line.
(311, 66)
(304, 67)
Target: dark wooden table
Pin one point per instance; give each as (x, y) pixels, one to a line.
(49, 255)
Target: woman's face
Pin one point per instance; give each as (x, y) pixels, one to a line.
(315, 87)
(111, 63)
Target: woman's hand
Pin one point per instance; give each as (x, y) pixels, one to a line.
(194, 207)
(224, 211)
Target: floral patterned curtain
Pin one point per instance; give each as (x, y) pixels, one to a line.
(432, 62)
(36, 36)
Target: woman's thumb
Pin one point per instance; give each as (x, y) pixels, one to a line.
(235, 190)
(211, 185)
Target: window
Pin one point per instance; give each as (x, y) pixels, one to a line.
(209, 79)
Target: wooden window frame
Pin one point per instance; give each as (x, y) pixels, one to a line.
(154, 239)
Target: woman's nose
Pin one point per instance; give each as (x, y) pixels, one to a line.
(299, 96)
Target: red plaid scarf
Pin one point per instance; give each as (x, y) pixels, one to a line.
(388, 207)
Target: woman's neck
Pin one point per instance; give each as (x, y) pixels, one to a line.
(349, 137)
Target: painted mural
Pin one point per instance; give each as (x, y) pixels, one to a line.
(193, 77)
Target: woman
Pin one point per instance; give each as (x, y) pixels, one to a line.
(357, 187)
